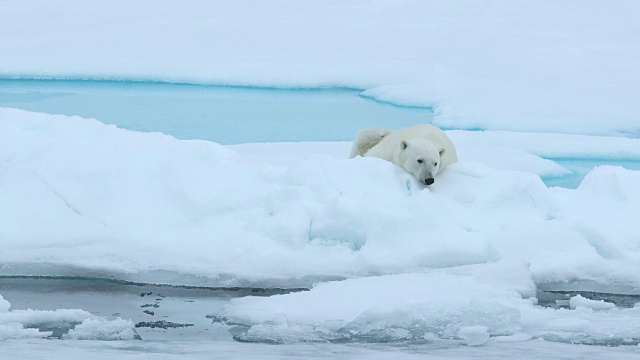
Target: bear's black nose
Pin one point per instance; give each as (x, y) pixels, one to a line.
(428, 181)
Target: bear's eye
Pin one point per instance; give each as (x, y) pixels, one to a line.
(435, 164)
(420, 161)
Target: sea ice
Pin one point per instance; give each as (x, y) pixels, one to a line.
(390, 260)
(579, 301)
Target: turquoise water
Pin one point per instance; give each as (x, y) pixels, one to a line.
(227, 115)
(233, 115)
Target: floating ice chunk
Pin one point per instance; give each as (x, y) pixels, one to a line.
(432, 306)
(64, 323)
(11, 329)
(580, 301)
(474, 335)
(102, 329)
(17, 331)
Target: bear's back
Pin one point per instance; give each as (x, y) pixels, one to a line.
(388, 146)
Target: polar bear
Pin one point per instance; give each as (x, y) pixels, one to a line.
(422, 150)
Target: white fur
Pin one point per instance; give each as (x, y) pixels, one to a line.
(366, 139)
(422, 150)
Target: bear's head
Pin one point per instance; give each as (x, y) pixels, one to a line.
(421, 158)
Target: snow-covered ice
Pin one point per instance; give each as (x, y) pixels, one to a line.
(80, 197)
(127, 203)
(517, 85)
(543, 66)
(467, 304)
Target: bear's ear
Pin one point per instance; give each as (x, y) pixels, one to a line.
(403, 145)
(441, 152)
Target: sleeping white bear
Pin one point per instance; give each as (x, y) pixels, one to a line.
(422, 150)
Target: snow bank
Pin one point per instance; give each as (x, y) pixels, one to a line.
(65, 323)
(521, 65)
(80, 198)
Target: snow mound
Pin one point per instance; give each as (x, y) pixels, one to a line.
(79, 198)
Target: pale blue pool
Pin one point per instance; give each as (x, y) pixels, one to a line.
(226, 115)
